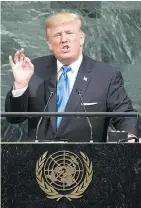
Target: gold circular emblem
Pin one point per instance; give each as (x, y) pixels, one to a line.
(63, 170)
(64, 174)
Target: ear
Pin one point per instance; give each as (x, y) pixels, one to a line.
(82, 38)
(48, 31)
(49, 45)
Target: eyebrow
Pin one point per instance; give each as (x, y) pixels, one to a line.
(65, 31)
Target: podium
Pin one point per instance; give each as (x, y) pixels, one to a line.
(84, 175)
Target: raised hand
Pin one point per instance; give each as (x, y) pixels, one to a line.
(22, 69)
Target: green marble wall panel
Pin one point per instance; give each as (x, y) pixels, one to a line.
(113, 35)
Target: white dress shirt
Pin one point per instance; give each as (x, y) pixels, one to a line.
(72, 74)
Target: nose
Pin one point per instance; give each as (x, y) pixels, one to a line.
(64, 37)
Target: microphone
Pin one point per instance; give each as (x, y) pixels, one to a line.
(78, 91)
(39, 122)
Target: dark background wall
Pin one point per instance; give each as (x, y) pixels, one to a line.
(113, 35)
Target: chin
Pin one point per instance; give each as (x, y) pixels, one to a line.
(66, 59)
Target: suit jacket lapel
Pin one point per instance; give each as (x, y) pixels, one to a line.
(50, 86)
(81, 83)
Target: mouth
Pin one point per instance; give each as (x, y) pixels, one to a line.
(65, 49)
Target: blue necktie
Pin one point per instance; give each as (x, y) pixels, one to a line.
(63, 91)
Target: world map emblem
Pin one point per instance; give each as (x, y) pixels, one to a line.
(64, 174)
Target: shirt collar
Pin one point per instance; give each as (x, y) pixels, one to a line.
(75, 65)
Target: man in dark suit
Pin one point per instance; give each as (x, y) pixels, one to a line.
(67, 81)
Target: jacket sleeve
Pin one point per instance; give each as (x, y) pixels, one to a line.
(16, 104)
(118, 101)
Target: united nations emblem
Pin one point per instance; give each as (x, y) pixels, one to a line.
(64, 174)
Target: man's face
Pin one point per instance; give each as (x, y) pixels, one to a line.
(65, 41)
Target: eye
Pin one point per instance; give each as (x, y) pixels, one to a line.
(69, 32)
(57, 35)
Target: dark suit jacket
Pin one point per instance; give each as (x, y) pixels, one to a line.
(98, 82)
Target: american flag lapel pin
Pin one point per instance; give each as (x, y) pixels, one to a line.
(85, 79)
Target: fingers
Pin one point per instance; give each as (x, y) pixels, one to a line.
(11, 61)
(30, 64)
(19, 56)
(27, 63)
(131, 141)
(16, 57)
(22, 50)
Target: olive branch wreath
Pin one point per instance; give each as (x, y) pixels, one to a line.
(51, 192)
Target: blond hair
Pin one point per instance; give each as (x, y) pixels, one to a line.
(60, 18)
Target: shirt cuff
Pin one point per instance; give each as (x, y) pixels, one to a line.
(18, 92)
